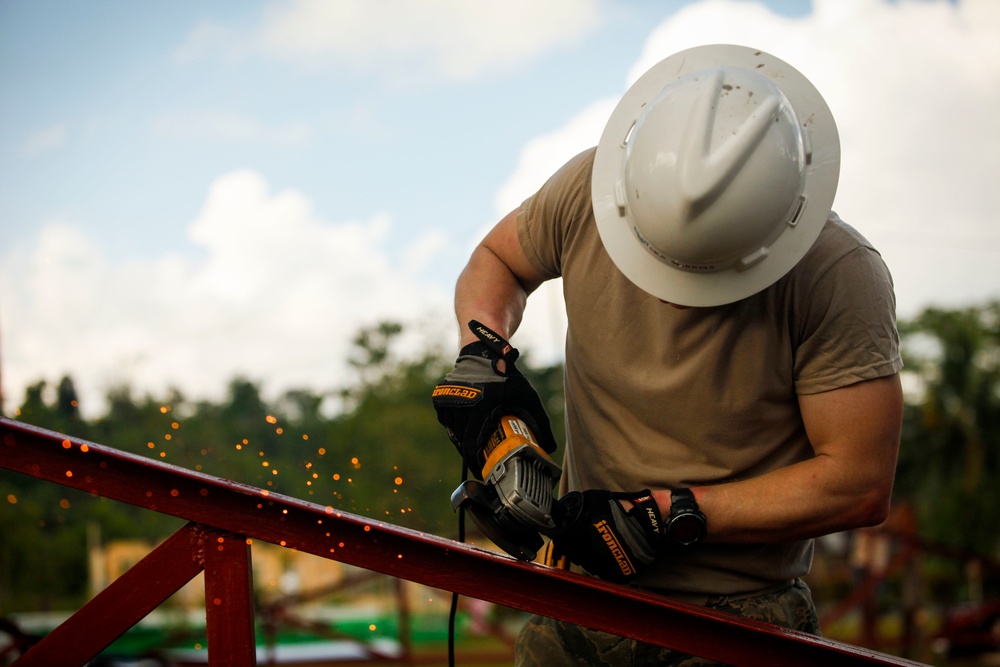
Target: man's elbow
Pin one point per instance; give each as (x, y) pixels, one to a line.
(872, 507)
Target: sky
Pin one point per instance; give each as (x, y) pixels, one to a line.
(192, 192)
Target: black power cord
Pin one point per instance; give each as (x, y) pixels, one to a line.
(454, 596)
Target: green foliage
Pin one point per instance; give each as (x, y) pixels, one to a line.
(381, 454)
(950, 454)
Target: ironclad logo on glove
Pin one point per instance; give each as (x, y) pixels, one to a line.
(458, 394)
(475, 394)
(596, 533)
(615, 548)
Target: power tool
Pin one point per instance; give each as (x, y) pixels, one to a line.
(513, 505)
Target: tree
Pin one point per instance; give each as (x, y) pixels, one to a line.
(384, 456)
(950, 455)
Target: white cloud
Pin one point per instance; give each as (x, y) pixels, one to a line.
(544, 154)
(46, 139)
(277, 291)
(424, 250)
(395, 39)
(278, 295)
(913, 86)
(544, 325)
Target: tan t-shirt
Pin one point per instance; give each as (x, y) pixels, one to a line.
(658, 397)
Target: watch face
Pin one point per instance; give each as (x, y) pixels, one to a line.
(687, 529)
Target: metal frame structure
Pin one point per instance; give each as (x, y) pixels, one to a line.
(223, 516)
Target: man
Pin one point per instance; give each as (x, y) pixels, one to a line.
(732, 360)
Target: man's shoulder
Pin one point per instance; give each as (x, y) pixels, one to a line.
(576, 172)
(564, 199)
(583, 160)
(838, 237)
(556, 217)
(836, 241)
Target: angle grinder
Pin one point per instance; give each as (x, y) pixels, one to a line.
(513, 505)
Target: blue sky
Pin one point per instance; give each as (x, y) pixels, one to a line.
(133, 109)
(191, 191)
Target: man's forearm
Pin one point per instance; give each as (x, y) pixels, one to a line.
(805, 500)
(855, 434)
(489, 292)
(496, 282)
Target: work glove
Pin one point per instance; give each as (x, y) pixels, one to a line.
(595, 532)
(474, 396)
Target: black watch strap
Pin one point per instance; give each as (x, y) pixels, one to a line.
(687, 524)
(682, 499)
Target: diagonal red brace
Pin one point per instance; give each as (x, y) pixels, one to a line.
(140, 590)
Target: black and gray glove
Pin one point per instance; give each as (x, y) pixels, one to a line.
(597, 533)
(474, 396)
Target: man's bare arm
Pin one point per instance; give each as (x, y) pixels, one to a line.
(855, 434)
(495, 284)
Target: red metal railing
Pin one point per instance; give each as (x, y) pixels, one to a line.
(223, 515)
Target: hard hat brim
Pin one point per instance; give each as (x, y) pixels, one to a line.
(689, 288)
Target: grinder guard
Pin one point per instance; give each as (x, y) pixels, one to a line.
(514, 503)
(483, 504)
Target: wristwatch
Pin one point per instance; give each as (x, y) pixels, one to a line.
(686, 524)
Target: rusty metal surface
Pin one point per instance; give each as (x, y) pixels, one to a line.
(374, 545)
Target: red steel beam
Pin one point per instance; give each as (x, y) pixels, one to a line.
(407, 554)
(228, 601)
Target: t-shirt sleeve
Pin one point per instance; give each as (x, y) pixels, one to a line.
(850, 331)
(546, 221)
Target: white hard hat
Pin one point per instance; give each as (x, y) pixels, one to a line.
(715, 175)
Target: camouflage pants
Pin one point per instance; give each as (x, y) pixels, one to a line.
(550, 643)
